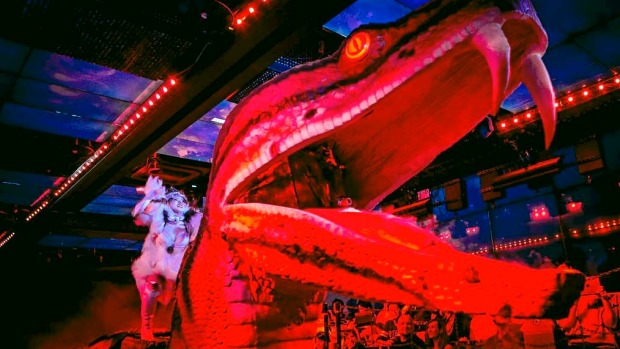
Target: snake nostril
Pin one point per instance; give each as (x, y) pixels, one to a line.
(310, 114)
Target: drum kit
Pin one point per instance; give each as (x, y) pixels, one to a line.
(345, 325)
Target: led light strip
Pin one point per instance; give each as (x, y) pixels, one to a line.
(601, 228)
(5, 237)
(239, 17)
(47, 197)
(567, 101)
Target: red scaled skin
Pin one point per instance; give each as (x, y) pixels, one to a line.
(270, 245)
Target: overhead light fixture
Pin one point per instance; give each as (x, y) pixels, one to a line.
(218, 121)
(152, 164)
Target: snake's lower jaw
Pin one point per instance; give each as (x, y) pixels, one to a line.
(382, 257)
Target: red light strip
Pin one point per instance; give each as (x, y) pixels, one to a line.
(595, 229)
(110, 143)
(567, 101)
(5, 237)
(240, 16)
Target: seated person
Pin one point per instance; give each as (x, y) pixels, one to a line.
(350, 340)
(405, 337)
(591, 320)
(387, 317)
(508, 335)
(436, 336)
(365, 324)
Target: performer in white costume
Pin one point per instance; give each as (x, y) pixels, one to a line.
(173, 224)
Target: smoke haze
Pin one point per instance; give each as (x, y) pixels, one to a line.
(68, 307)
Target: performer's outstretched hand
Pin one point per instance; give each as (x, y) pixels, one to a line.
(154, 187)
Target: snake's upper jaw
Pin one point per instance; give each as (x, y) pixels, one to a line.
(493, 40)
(422, 96)
(536, 79)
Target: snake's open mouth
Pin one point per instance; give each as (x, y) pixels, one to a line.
(390, 111)
(359, 124)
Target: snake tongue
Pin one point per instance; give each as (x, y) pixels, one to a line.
(378, 256)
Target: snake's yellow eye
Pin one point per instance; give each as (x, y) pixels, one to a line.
(358, 46)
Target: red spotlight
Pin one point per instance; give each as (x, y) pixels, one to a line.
(574, 207)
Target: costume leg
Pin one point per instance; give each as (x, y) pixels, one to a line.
(148, 297)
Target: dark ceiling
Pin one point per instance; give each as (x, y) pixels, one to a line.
(74, 72)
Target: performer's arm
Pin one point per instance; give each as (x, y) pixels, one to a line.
(154, 194)
(143, 210)
(609, 316)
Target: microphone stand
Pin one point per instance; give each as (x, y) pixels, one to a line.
(338, 333)
(325, 326)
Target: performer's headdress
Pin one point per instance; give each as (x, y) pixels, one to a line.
(173, 193)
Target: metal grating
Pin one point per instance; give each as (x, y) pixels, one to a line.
(146, 39)
(124, 45)
(265, 76)
(316, 46)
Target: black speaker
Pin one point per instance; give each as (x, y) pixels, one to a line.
(456, 198)
(588, 156)
(487, 178)
(537, 174)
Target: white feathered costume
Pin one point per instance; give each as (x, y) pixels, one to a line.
(164, 246)
(172, 226)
